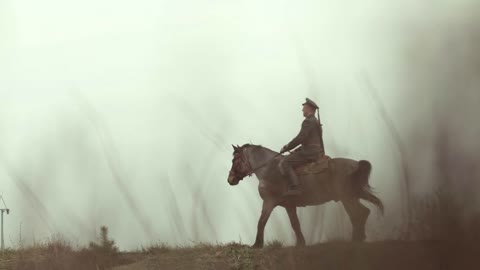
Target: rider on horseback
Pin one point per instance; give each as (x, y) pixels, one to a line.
(310, 137)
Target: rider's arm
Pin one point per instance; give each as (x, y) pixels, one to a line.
(307, 126)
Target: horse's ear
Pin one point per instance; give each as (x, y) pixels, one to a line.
(234, 148)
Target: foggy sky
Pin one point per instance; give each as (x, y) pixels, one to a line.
(122, 113)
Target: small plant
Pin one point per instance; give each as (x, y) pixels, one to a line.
(58, 244)
(104, 245)
(105, 252)
(241, 257)
(157, 248)
(274, 244)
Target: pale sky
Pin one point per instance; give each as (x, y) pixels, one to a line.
(158, 90)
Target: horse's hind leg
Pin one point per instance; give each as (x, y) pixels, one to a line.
(292, 215)
(358, 214)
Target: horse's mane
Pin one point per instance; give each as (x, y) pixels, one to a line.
(256, 147)
(251, 145)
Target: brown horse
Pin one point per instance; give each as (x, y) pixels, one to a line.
(345, 180)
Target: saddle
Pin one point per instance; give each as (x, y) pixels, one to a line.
(316, 166)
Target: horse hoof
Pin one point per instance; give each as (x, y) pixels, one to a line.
(358, 239)
(300, 244)
(257, 245)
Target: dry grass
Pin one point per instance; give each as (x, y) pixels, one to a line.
(235, 256)
(444, 241)
(59, 253)
(338, 255)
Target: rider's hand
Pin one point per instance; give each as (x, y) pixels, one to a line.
(284, 149)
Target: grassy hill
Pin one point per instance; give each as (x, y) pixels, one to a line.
(338, 255)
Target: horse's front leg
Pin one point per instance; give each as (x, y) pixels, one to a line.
(267, 209)
(292, 215)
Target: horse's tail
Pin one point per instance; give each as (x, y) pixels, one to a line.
(361, 186)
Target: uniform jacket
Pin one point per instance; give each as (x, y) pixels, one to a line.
(310, 137)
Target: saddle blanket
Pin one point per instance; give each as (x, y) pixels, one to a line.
(313, 167)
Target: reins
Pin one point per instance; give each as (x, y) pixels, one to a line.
(252, 170)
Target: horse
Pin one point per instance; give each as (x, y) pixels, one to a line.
(344, 180)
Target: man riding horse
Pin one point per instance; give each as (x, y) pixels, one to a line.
(349, 177)
(310, 137)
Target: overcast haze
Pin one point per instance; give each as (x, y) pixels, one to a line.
(122, 113)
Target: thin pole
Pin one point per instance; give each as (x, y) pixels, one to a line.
(3, 210)
(3, 244)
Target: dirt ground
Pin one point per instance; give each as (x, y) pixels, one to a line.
(390, 255)
(379, 255)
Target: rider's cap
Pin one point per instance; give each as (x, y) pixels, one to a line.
(310, 103)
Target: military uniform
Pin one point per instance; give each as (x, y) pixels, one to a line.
(311, 141)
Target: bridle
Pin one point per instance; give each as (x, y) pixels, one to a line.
(241, 159)
(245, 163)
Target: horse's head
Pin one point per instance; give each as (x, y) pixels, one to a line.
(240, 166)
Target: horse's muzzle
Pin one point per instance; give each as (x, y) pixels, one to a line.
(232, 180)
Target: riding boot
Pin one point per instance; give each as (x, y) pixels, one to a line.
(293, 189)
